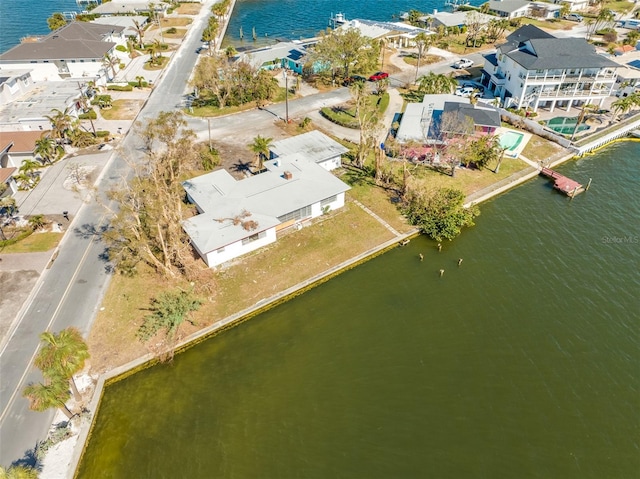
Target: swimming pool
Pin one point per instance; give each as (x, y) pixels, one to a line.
(510, 140)
(565, 125)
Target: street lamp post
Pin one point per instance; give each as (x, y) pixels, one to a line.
(286, 95)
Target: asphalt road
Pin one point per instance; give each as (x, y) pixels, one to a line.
(69, 293)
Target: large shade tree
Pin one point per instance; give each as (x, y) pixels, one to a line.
(439, 214)
(147, 225)
(345, 51)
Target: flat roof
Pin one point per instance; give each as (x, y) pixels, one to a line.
(314, 145)
(38, 102)
(265, 197)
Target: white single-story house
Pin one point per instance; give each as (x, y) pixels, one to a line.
(314, 146)
(575, 5)
(18, 146)
(30, 110)
(239, 216)
(73, 52)
(509, 8)
(421, 121)
(398, 34)
(544, 10)
(8, 185)
(281, 55)
(14, 84)
(454, 19)
(129, 7)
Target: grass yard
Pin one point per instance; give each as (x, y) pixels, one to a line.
(213, 111)
(619, 6)
(412, 59)
(539, 149)
(346, 115)
(556, 25)
(175, 22)
(189, 9)
(122, 110)
(467, 180)
(34, 243)
(295, 257)
(180, 33)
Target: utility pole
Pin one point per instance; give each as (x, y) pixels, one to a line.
(286, 95)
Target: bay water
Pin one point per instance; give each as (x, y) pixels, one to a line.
(275, 20)
(22, 18)
(522, 362)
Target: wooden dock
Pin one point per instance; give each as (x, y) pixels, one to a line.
(561, 183)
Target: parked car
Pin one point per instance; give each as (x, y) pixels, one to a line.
(463, 63)
(350, 80)
(468, 91)
(378, 76)
(574, 17)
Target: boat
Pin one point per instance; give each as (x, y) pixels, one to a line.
(337, 20)
(635, 133)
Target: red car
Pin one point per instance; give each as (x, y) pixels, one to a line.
(378, 76)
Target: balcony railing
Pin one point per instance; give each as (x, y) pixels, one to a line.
(573, 76)
(572, 93)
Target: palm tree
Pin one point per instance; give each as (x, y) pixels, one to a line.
(46, 149)
(585, 108)
(422, 41)
(110, 61)
(139, 79)
(60, 123)
(230, 52)
(46, 396)
(260, 147)
(622, 105)
(140, 32)
(63, 355)
(383, 44)
(433, 84)
(18, 472)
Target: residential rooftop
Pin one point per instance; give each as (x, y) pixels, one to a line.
(265, 197)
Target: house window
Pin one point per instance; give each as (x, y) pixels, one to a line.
(328, 201)
(220, 250)
(252, 238)
(296, 215)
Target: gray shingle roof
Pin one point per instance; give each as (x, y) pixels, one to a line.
(557, 53)
(507, 6)
(77, 40)
(481, 115)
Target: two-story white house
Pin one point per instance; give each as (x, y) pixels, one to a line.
(75, 51)
(534, 69)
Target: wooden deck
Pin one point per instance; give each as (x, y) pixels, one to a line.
(561, 183)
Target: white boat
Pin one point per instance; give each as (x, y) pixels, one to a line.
(635, 133)
(337, 20)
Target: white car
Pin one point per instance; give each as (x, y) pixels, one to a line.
(468, 91)
(463, 63)
(574, 17)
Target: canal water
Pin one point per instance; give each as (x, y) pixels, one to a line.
(275, 20)
(521, 362)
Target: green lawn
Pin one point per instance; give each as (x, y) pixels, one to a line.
(35, 243)
(346, 115)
